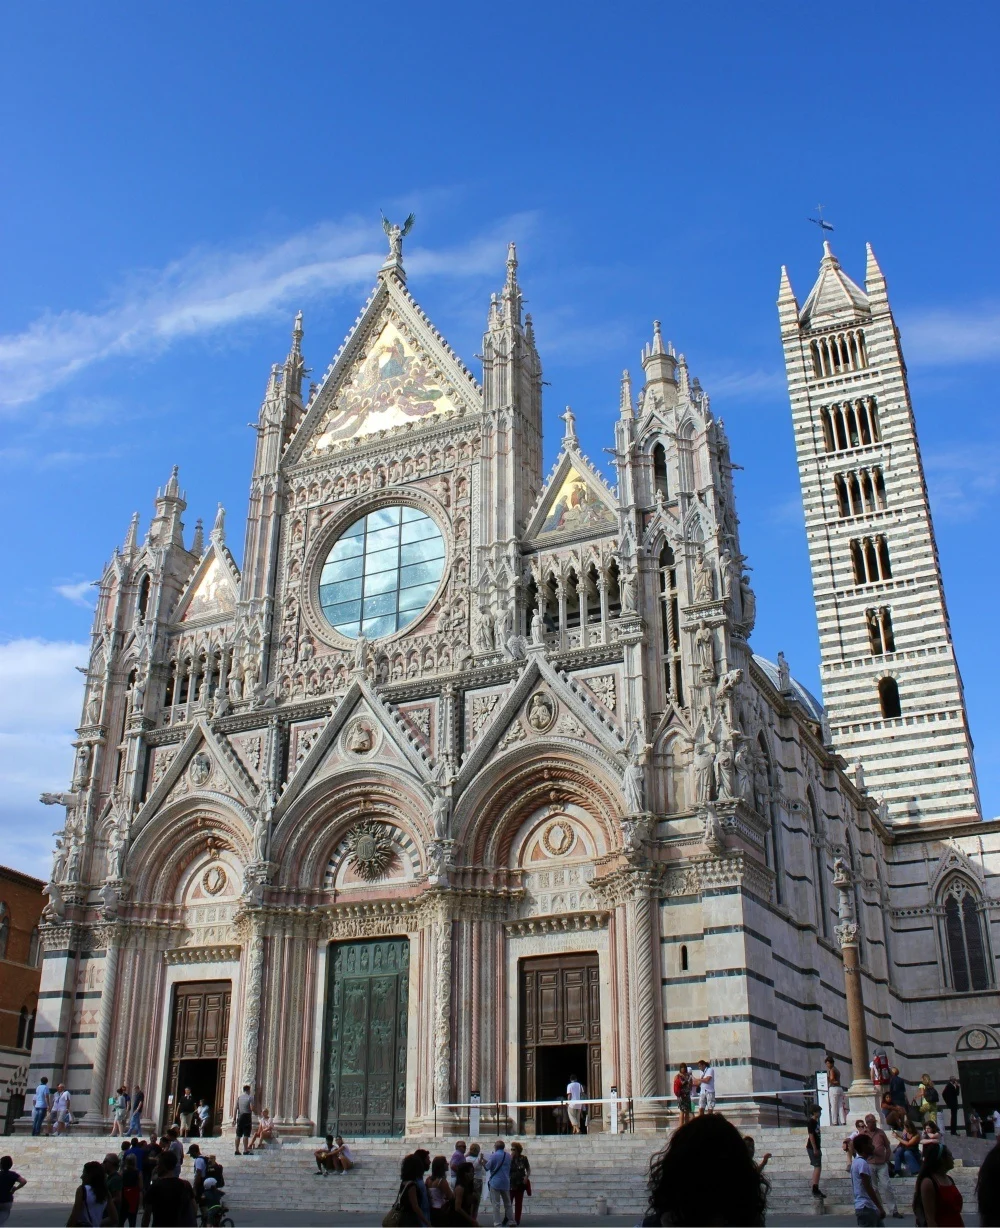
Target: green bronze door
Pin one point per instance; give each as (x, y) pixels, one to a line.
(367, 999)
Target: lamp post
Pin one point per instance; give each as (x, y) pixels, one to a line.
(861, 1094)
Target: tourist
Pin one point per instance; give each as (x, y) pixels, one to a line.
(879, 1164)
(212, 1201)
(43, 1102)
(408, 1200)
(119, 1106)
(988, 1189)
(340, 1156)
(574, 1107)
(439, 1192)
(937, 1200)
(931, 1134)
(185, 1112)
(213, 1170)
(200, 1169)
(91, 1205)
(705, 1175)
(150, 1162)
(463, 1211)
(897, 1088)
(927, 1094)
(10, 1183)
(906, 1157)
(498, 1182)
(131, 1190)
(682, 1092)
(424, 1156)
(751, 1145)
(113, 1181)
(458, 1157)
(244, 1119)
(520, 1178)
(265, 1130)
(706, 1088)
(814, 1149)
(848, 1144)
(175, 1145)
(138, 1100)
(975, 1123)
(837, 1096)
(478, 1162)
(203, 1118)
(996, 1122)
(323, 1156)
(949, 1094)
(868, 1209)
(879, 1072)
(62, 1109)
(169, 1199)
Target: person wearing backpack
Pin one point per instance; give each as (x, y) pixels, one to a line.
(929, 1099)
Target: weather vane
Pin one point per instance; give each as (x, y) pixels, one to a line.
(821, 221)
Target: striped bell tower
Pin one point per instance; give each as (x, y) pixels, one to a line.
(891, 685)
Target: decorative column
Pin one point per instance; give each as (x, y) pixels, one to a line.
(862, 1097)
(442, 1008)
(253, 984)
(98, 1076)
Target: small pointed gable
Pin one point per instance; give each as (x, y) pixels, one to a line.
(212, 591)
(574, 500)
(394, 370)
(834, 299)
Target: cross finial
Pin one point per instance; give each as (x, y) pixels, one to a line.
(822, 223)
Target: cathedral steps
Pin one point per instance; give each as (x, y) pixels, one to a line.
(569, 1175)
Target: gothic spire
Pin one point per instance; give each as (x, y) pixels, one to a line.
(512, 291)
(295, 367)
(132, 536)
(878, 294)
(625, 409)
(834, 296)
(166, 527)
(660, 366)
(198, 545)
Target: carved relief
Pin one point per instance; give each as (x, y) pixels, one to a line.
(604, 689)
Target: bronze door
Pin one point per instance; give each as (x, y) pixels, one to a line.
(560, 1013)
(366, 1023)
(199, 1046)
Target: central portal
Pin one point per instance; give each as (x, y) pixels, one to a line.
(366, 1015)
(560, 1034)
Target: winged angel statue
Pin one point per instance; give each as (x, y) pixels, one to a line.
(396, 235)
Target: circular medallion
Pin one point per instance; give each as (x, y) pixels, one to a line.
(200, 769)
(361, 736)
(976, 1039)
(541, 712)
(214, 880)
(558, 838)
(370, 850)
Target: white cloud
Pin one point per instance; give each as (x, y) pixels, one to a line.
(946, 335)
(962, 480)
(745, 385)
(211, 289)
(77, 593)
(42, 696)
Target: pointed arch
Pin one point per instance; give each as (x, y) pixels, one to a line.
(965, 937)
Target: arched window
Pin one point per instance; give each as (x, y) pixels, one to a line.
(843, 502)
(572, 591)
(819, 866)
(685, 457)
(880, 636)
(142, 603)
(963, 926)
(530, 604)
(660, 471)
(670, 620)
(888, 697)
(4, 929)
(684, 959)
(34, 947)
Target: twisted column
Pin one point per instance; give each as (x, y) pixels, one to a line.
(251, 1002)
(646, 989)
(442, 1011)
(99, 1072)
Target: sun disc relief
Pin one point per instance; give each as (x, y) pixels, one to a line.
(558, 838)
(371, 850)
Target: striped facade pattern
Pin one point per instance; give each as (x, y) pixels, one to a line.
(876, 565)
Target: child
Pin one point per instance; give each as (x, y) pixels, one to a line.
(211, 1199)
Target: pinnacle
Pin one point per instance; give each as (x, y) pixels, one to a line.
(219, 528)
(198, 545)
(625, 399)
(657, 339)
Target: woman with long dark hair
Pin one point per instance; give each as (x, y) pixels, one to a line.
(705, 1176)
(937, 1200)
(92, 1206)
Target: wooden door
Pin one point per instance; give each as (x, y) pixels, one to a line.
(200, 1031)
(366, 1027)
(560, 1005)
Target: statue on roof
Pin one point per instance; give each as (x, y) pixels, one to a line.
(396, 234)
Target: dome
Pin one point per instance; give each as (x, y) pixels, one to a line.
(814, 709)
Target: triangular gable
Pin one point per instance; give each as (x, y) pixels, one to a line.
(212, 591)
(395, 369)
(360, 701)
(226, 776)
(574, 500)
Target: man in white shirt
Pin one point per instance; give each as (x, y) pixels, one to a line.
(706, 1088)
(43, 1100)
(574, 1094)
(61, 1108)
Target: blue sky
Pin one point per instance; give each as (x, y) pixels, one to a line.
(179, 180)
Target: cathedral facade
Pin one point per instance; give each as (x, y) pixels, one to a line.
(467, 781)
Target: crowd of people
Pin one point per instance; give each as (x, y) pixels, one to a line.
(453, 1192)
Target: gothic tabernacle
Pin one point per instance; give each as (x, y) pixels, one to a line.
(468, 780)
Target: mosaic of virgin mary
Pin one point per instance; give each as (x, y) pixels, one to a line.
(390, 387)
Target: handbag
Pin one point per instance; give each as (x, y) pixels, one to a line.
(393, 1218)
(527, 1186)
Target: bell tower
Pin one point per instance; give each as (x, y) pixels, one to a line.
(891, 686)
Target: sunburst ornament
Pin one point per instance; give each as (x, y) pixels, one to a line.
(371, 850)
